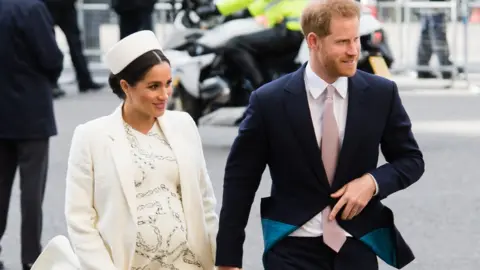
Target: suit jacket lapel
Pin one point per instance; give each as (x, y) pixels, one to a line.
(120, 149)
(357, 87)
(298, 112)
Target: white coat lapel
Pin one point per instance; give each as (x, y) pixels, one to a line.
(174, 138)
(120, 149)
(191, 195)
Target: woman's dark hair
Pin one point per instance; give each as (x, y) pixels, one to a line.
(136, 71)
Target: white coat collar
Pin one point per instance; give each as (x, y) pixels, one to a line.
(121, 154)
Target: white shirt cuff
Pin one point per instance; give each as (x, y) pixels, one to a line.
(376, 184)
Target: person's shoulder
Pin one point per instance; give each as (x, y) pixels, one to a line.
(23, 8)
(93, 126)
(375, 80)
(179, 117)
(274, 87)
(26, 5)
(182, 122)
(379, 88)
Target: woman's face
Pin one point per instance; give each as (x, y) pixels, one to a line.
(149, 96)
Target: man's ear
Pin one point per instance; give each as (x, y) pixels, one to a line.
(312, 41)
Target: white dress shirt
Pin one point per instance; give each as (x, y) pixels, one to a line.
(316, 91)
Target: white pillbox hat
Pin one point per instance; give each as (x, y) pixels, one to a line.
(129, 48)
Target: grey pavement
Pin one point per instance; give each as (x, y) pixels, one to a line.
(439, 216)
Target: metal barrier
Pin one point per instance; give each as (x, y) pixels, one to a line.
(404, 31)
(99, 27)
(400, 19)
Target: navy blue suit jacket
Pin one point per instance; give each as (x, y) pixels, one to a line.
(278, 132)
(30, 65)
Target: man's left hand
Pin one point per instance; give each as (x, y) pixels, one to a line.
(354, 196)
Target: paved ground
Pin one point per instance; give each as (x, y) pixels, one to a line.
(438, 216)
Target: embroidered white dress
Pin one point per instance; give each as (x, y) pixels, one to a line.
(162, 235)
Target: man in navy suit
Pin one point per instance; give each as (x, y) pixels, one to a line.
(30, 64)
(319, 130)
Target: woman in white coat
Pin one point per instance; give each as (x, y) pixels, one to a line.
(138, 194)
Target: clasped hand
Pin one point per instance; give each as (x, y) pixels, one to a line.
(354, 196)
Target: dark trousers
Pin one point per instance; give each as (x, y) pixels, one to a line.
(244, 51)
(134, 21)
(65, 16)
(310, 253)
(433, 39)
(31, 157)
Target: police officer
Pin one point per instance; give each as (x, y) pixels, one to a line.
(283, 33)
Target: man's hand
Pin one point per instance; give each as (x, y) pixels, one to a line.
(354, 196)
(227, 268)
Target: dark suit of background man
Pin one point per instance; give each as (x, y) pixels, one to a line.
(31, 63)
(64, 14)
(134, 15)
(319, 130)
(433, 40)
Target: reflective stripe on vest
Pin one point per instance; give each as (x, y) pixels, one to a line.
(291, 19)
(272, 4)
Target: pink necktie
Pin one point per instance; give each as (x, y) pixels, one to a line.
(333, 235)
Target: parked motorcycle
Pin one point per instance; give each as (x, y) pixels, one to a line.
(203, 81)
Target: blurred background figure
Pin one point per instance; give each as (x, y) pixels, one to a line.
(282, 34)
(92, 20)
(134, 15)
(64, 14)
(433, 39)
(31, 65)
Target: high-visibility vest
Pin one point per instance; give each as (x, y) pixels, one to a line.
(275, 11)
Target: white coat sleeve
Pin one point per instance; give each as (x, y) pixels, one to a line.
(81, 216)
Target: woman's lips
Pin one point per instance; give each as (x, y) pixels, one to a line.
(160, 105)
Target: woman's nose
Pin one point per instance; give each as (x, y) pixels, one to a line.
(163, 95)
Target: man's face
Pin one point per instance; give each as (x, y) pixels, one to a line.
(338, 52)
